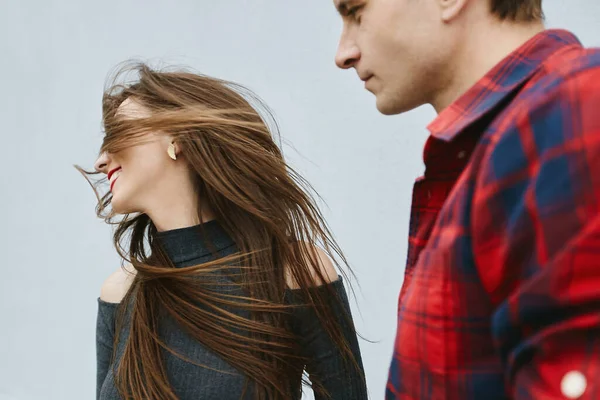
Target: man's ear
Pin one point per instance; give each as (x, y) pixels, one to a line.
(450, 9)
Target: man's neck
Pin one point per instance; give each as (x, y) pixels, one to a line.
(486, 44)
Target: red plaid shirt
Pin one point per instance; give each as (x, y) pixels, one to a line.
(501, 297)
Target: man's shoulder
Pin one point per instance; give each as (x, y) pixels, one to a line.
(566, 66)
(557, 107)
(565, 78)
(573, 58)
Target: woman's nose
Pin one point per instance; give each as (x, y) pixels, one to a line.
(101, 164)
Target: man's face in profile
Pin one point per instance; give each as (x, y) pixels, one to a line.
(397, 47)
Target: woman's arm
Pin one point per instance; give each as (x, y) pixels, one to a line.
(105, 333)
(111, 294)
(332, 374)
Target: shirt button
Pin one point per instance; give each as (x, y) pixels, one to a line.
(462, 154)
(573, 384)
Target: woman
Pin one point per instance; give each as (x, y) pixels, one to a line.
(227, 294)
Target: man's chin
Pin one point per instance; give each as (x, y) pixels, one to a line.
(387, 106)
(386, 110)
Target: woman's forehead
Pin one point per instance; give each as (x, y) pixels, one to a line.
(132, 109)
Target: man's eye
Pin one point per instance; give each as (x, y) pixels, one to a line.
(353, 13)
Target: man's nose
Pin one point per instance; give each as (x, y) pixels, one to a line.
(347, 54)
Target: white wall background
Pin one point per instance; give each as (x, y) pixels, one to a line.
(54, 57)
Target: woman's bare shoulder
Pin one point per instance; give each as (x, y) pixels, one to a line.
(117, 284)
(321, 264)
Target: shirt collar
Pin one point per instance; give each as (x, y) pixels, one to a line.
(502, 80)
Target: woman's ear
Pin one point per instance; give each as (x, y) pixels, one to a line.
(173, 150)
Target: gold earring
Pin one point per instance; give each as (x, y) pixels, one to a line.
(171, 151)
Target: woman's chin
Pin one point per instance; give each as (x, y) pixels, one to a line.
(121, 207)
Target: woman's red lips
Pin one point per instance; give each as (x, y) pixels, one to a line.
(112, 171)
(110, 175)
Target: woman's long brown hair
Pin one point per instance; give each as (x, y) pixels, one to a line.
(264, 205)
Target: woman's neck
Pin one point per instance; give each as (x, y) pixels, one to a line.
(178, 208)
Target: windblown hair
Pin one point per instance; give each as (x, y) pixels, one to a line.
(263, 204)
(518, 10)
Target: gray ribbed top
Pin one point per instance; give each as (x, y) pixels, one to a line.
(217, 379)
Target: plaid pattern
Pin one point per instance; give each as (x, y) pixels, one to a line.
(501, 297)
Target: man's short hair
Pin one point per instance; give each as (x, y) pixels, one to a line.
(518, 10)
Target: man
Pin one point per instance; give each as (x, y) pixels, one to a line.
(501, 296)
